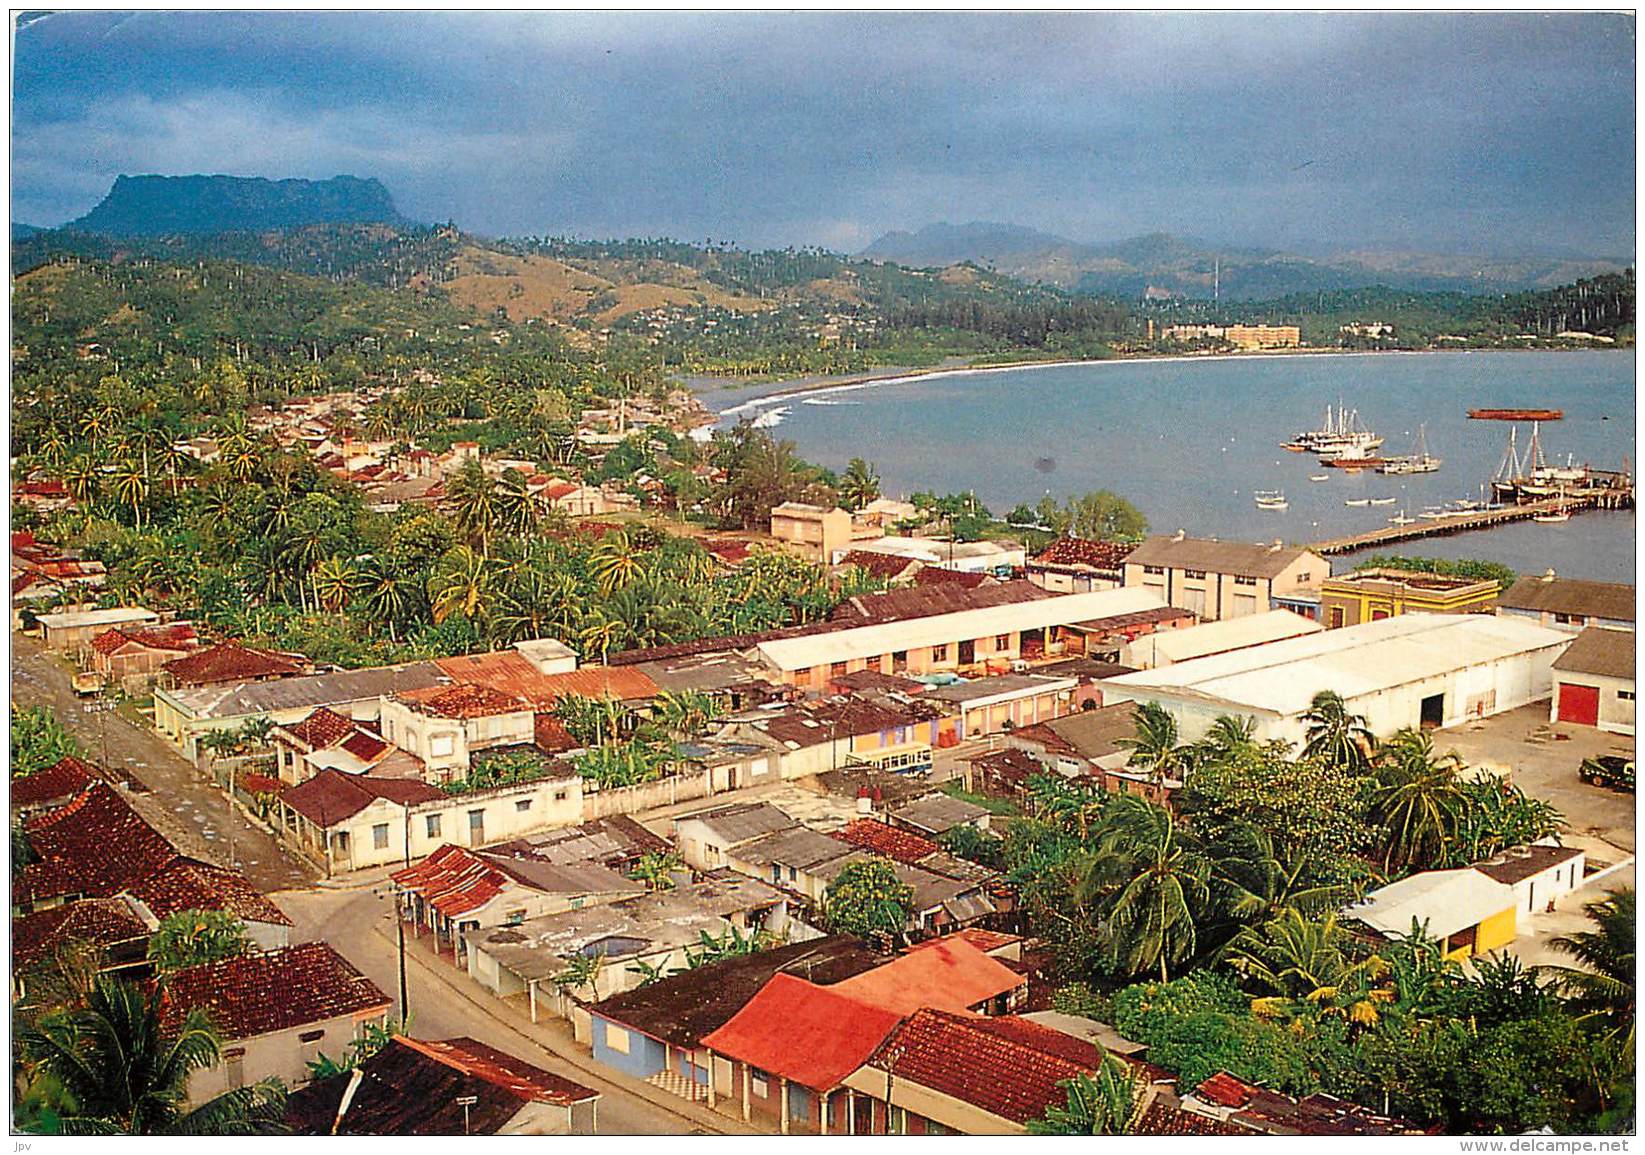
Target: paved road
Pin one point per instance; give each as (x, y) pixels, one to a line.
(183, 802)
(445, 1003)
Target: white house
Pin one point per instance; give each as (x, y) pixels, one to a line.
(1594, 681)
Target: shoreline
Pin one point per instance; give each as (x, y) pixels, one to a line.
(800, 388)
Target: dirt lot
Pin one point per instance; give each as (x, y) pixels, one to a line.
(1542, 759)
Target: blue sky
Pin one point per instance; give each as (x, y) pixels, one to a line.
(1496, 134)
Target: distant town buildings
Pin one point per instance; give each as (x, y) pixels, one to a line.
(1246, 338)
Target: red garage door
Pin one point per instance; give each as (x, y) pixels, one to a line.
(1579, 704)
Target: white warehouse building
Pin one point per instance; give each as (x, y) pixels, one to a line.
(1430, 670)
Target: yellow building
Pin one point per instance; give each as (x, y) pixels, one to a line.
(817, 532)
(1469, 912)
(1369, 595)
(1250, 337)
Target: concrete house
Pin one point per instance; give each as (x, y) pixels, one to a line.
(445, 726)
(1539, 874)
(998, 704)
(1467, 910)
(1569, 604)
(1594, 681)
(131, 658)
(68, 631)
(1074, 565)
(277, 1011)
(1368, 595)
(1222, 579)
(816, 532)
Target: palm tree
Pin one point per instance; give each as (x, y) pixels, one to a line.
(1305, 960)
(334, 580)
(472, 494)
(1335, 736)
(120, 1071)
(131, 487)
(686, 712)
(614, 563)
(859, 485)
(1155, 746)
(461, 584)
(1150, 886)
(582, 970)
(517, 510)
(598, 636)
(1111, 1103)
(1417, 799)
(1602, 988)
(80, 478)
(385, 595)
(1255, 885)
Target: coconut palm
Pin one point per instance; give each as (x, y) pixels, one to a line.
(1602, 987)
(119, 1069)
(1335, 736)
(1304, 959)
(472, 495)
(1154, 748)
(131, 487)
(598, 636)
(1417, 799)
(1150, 885)
(1254, 885)
(859, 484)
(385, 594)
(81, 478)
(517, 510)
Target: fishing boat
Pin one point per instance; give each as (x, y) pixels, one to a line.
(1357, 502)
(1433, 513)
(1383, 500)
(1516, 414)
(1400, 519)
(1276, 506)
(1556, 514)
(1271, 499)
(1343, 432)
(1419, 462)
(1320, 477)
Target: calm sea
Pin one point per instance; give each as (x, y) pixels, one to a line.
(1189, 441)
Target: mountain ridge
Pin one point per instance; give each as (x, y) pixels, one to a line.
(1162, 264)
(200, 204)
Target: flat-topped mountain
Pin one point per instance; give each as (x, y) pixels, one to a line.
(171, 205)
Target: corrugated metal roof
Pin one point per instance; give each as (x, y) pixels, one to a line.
(945, 628)
(1605, 653)
(1282, 677)
(1224, 557)
(1611, 600)
(1444, 901)
(1229, 634)
(305, 693)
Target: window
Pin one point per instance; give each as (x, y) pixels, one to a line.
(1194, 574)
(476, 827)
(559, 796)
(759, 1082)
(309, 1037)
(1563, 619)
(514, 918)
(440, 746)
(522, 805)
(1625, 695)
(577, 903)
(616, 1039)
(1302, 578)
(939, 653)
(802, 673)
(792, 874)
(1243, 580)
(1153, 569)
(1002, 641)
(432, 825)
(379, 836)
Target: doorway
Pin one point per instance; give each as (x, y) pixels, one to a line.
(1433, 712)
(968, 653)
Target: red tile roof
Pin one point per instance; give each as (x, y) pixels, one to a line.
(174, 638)
(463, 701)
(883, 838)
(933, 575)
(189, 885)
(811, 1035)
(1225, 1091)
(927, 601)
(366, 747)
(730, 550)
(95, 847)
(277, 990)
(322, 729)
(331, 796)
(551, 736)
(948, 974)
(882, 565)
(104, 921)
(1078, 551)
(503, 1070)
(1010, 1068)
(62, 780)
(983, 940)
(559, 489)
(232, 662)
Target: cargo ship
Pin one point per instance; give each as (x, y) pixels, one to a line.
(1516, 414)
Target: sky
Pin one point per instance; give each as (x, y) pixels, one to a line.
(1495, 134)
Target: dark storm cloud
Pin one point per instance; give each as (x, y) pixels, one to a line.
(1498, 133)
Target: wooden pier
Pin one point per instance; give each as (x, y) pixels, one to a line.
(1455, 523)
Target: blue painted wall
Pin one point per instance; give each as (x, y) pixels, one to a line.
(646, 1056)
(799, 1102)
